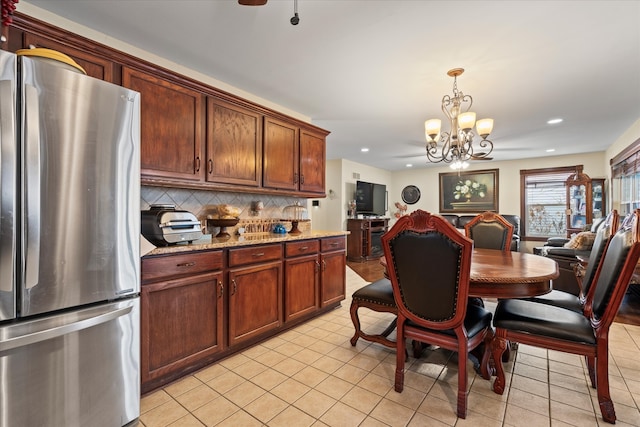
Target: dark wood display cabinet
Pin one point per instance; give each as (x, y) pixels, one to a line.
(363, 242)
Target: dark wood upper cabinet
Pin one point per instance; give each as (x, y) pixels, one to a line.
(234, 144)
(280, 160)
(312, 161)
(171, 129)
(194, 135)
(95, 65)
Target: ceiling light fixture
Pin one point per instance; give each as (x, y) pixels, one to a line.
(554, 121)
(457, 145)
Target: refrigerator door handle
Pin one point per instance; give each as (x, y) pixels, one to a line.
(7, 195)
(45, 334)
(32, 186)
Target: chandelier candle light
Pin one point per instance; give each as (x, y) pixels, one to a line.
(457, 145)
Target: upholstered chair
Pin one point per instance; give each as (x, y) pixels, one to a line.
(428, 263)
(555, 328)
(490, 230)
(585, 277)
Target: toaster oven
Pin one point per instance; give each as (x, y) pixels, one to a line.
(163, 225)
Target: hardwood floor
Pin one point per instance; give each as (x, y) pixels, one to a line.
(629, 312)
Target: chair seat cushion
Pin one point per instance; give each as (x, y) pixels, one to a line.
(544, 320)
(560, 299)
(378, 292)
(476, 320)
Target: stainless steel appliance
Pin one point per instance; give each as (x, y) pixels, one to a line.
(69, 247)
(164, 225)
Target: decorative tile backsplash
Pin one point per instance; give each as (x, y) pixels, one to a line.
(198, 202)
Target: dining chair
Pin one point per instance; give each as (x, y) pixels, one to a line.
(559, 329)
(428, 264)
(376, 296)
(490, 230)
(585, 278)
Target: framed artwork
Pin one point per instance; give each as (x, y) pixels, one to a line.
(473, 191)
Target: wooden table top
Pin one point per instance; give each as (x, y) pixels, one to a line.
(500, 274)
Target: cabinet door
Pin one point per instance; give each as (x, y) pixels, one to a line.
(181, 323)
(312, 162)
(301, 286)
(234, 144)
(171, 127)
(333, 277)
(255, 300)
(95, 65)
(280, 158)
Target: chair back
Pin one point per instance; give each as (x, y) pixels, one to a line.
(604, 233)
(618, 265)
(428, 263)
(490, 230)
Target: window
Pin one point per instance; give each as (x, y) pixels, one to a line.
(625, 178)
(544, 202)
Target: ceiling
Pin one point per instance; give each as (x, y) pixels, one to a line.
(372, 72)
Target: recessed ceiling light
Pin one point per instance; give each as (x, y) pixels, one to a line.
(409, 165)
(554, 121)
(551, 150)
(364, 150)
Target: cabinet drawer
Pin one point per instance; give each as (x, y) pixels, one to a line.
(174, 265)
(254, 254)
(332, 244)
(304, 247)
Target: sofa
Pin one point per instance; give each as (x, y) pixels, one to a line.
(459, 221)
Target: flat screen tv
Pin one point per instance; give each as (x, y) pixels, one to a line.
(371, 199)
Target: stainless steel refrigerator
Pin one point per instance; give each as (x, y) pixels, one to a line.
(69, 247)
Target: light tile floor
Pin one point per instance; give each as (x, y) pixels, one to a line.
(312, 376)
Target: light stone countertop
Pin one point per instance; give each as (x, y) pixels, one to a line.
(209, 242)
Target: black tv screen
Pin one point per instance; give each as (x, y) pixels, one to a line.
(371, 199)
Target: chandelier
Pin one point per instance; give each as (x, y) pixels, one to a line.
(457, 146)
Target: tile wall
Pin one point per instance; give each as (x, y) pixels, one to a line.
(199, 201)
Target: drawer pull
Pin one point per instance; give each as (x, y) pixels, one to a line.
(259, 254)
(304, 248)
(334, 244)
(186, 264)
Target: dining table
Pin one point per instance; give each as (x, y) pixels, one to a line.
(508, 274)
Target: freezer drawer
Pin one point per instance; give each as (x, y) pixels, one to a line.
(74, 369)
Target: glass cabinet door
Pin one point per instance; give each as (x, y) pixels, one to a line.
(599, 205)
(579, 202)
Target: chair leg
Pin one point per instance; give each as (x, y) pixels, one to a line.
(486, 369)
(591, 366)
(602, 382)
(498, 346)
(356, 322)
(462, 381)
(400, 356)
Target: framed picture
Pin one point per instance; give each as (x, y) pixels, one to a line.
(473, 192)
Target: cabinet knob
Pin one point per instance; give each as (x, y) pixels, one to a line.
(235, 287)
(221, 289)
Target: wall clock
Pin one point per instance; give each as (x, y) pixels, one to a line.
(410, 194)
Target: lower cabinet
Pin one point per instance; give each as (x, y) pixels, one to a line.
(200, 306)
(333, 267)
(181, 324)
(301, 279)
(255, 300)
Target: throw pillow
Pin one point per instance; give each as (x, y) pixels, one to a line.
(582, 241)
